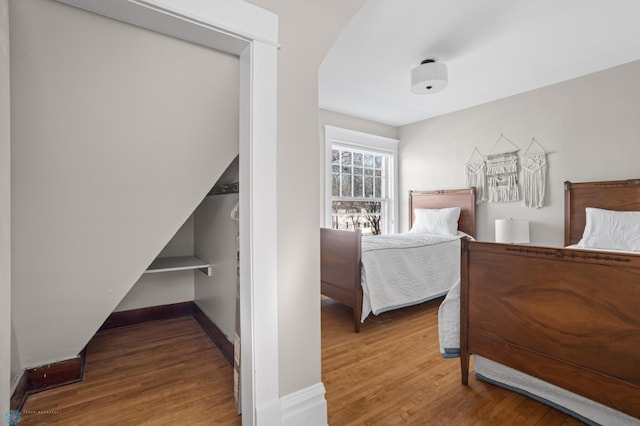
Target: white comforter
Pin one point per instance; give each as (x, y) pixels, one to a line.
(406, 269)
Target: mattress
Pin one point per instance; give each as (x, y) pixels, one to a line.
(406, 269)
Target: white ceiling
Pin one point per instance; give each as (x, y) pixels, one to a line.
(493, 48)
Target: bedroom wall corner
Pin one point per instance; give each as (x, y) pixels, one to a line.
(167, 287)
(6, 365)
(215, 242)
(306, 30)
(133, 149)
(588, 124)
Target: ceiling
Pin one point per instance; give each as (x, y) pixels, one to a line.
(493, 49)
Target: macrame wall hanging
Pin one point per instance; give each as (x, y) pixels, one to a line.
(502, 172)
(534, 175)
(475, 170)
(504, 176)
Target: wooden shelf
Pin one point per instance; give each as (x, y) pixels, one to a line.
(182, 263)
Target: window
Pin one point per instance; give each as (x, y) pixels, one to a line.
(361, 176)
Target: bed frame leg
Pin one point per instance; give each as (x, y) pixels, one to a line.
(464, 367)
(357, 309)
(464, 306)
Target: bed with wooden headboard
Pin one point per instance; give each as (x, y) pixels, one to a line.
(341, 251)
(569, 317)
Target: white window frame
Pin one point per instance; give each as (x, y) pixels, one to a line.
(351, 139)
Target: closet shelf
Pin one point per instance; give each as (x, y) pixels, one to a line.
(182, 263)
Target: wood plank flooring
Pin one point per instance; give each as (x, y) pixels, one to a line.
(169, 372)
(160, 373)
(391, 373)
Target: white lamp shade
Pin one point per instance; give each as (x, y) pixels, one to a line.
(429, 77)
(512, 231)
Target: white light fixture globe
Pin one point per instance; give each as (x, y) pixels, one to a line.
(428, 77)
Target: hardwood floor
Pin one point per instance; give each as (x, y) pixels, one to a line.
(160, 373)
(391, 373)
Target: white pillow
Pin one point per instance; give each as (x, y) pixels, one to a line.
(436, 221)
(608, 229)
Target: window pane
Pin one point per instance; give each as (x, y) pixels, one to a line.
(335, 156)
(368, 186)
(346, 157)
(368, 160)
(346, 185)
(335, 184)
(359, 175)
(357, 186)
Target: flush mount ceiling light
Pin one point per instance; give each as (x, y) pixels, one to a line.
(428, 77)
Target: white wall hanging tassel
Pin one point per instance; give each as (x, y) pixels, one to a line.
(502, 177)
(534, 175)
(502, 173)
(476, 175)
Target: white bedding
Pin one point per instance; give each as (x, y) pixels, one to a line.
(406, 269)
(584, 409)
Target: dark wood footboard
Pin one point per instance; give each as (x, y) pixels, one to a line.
(340, 277)
(569, 317)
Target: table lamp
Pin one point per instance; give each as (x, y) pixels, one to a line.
(513, 231)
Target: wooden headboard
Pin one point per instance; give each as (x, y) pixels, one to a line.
(621, 195)
(463, 198)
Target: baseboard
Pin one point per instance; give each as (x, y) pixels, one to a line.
(305, 407)
(152, 313)
(47, 377)
(215, 334)
(19, 394)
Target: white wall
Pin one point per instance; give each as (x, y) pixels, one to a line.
(5, 212)
(589, 124)
(307, 29)
(215, 242)
(354, 123)
(210, 234)
(164, 288)
(117, 135)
